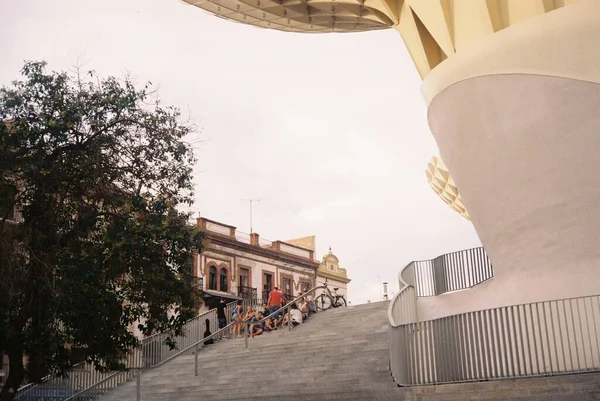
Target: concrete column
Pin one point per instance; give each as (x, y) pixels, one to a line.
(517, 121)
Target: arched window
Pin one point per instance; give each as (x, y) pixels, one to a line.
(212, 278)
(223, 280)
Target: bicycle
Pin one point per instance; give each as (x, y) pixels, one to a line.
(330, 299)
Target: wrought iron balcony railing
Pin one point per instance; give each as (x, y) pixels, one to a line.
(247, 292)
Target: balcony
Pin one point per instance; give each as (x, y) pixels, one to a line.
(247, 293)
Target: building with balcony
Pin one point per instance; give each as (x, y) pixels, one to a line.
(240, 266)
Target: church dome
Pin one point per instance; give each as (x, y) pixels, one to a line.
(330, 257)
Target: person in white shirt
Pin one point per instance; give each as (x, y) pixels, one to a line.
(302, 306)
(296, 316)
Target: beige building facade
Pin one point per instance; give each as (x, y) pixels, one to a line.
(329, 270)
(331, 273)
(239, 266)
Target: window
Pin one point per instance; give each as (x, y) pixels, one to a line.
(305, 286)
(223, 280)
(287, 287)
(267, 285)
(244, 277)
(267, 282)
(212, 278)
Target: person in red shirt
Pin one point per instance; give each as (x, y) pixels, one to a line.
(275, 298)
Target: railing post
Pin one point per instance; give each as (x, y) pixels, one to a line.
(196, 360)
(245, 335)
(289, 312)
(138, 385)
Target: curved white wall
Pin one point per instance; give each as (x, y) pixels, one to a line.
(518, 124)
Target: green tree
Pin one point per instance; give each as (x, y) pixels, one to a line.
(97, 170)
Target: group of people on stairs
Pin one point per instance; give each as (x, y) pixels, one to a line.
(299, 312)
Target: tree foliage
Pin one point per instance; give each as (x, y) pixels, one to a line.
(97, 171)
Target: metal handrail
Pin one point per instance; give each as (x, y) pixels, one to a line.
(194, 346)
(147, 340)
(403, 307)
(531, 339)
(527, 304)
(29, 386)
(448, 272)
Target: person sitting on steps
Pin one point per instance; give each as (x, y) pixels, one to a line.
(302, 306)
(258, 328)
(207, 333)
(250, 315)
(296, 316)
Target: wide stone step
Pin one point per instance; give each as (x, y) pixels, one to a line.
(348, 388)
(260, 376)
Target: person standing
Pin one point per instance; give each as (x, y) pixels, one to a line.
(222, 316)
(238, 314)
(275, 298)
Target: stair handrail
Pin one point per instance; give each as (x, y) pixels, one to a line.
(133, 351)
(196, 346)
(419, 348)
(448, 272)
(29, 386)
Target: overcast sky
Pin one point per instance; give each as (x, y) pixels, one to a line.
(329, 131)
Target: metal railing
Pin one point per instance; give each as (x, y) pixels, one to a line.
(450, 272)
(246, 303)
(246, 239)
(153, 353)
(402, 310)
(264, 242)
(242, 237)
(84, 376)
(247, 292)
(403, 307)
(535, 339)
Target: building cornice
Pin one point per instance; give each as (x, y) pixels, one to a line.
(260, 251)
(324, 273)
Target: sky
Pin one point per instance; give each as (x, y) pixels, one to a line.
(329, 131)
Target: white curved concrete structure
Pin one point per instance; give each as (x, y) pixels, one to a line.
(517, 121)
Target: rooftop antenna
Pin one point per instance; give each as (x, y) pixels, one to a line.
(251, 201)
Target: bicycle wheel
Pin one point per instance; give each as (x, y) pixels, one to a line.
(341, 302)
(324, 302)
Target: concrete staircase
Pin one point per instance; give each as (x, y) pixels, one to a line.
(340, 354)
